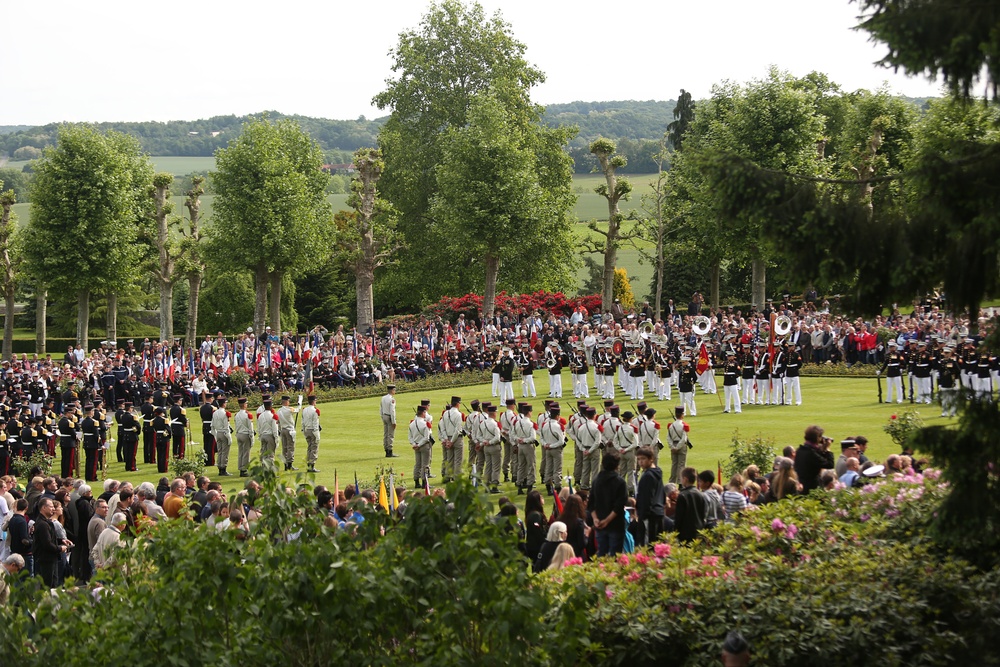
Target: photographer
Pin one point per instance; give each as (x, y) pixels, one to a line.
(813, 457)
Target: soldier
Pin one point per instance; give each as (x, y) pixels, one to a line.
(922, 373)
(649, 433)
(222, 434)
(28, 435)
(267, 426)
(489, 434)
(506, 369)
(553, 436)
(244, 436)
(387, 411)
(506, 424)
(589, 441)
(67, 438)
(524, 437)
(286, 426)
(677, 439)
(129, 428)
(686, 379)
(893, 369)
(578, 371)
(206, 412)
(527, 365)
(310, 430)
(91, 442)
(421, 438)
(477, 454)
(495, 370)
(554, 364)
(949, 379)
(451, 430)
(119, 445)
(162, 434)
(730, 380)
(178, 422)
(573, 431)
(626, 441)
(748, 369)
(666, 373)
(765, 391)
(148, 436)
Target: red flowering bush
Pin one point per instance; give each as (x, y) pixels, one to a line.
(471, 305)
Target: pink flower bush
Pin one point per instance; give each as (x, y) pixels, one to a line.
(777, 525)
(661, 550)
(711, 561)
(576, 560)
(642, 559)
(792, 531)
(624, 560)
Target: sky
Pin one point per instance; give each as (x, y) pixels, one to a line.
(129, 60)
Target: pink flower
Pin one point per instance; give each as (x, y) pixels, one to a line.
(757, 532)
(892, 417)
(662, 550)
(865, 517)
(608, 593)
(641, 559)
(728, 574)
(777, 525)
(576, 560)
(623, 560)
(674, 609)
(710, 560)
(633, 577)
(792, 531)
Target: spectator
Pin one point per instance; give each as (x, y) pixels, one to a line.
(692, 508)
(555, 537)
(607, 506)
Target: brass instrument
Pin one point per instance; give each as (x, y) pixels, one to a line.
(701, 326)
(551, 362)
(782, 326)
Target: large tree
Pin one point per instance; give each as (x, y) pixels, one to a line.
(615, 189)
(191, 261)
(89, 201)
(9, 267)
(271, 213)
(166, 248)
(455, 54)
(504, 192)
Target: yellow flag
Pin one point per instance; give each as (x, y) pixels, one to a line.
(395, 499)
(383, 497)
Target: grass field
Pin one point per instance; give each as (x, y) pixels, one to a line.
(351, 441)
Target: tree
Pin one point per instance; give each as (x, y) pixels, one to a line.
(623, 289)
(89, 200)
(163, 272)
(683, 115)
(493, 197)
(191, 261)
(456, 53)
(270, 210)
(615, 189)
(368, 239)
(8, 267)
(661, 208)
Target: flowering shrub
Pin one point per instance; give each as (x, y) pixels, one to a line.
(805, 580)
(449, 308)
(901, 426)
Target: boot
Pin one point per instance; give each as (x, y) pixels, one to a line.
(244, 473)
(494, 490)
(223, 473)
(520, 491)
(390, 455)
(506, 478)
(548, 489)
(312, 468)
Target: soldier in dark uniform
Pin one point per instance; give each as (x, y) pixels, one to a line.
(148, 437)
(160, 396)
(108, 385)
(747, 371)
(66, 432)
(49, 420)
(949, 380)
(29, 437)
(178, 422)
(893, 369)
(730, 383)
(922, 373)
(5, 453)
(120, 373)
(161, 429)
(91, 442)
(119, 445)
(13, 429)
(129, 428)
(206, 411)
(506, 369)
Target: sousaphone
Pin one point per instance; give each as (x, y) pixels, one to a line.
(701, 326)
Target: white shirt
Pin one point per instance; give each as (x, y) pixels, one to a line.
(387, 408)
(310, 418)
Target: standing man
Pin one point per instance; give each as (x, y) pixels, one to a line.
(244, 436)
(686, 379)
(893, 369)
(451, 429)
(47, 548)
(129, 427)
(387, 410)
(506, 369)
(730, 383)
(67, 439)
(811, 458)
(677, 440)
(207, 414)
(649, 436)
(161, 432)
(267, 426)
(553, 435)
(221, 434)
(91, 441)
(525, 437)
(420, 437)
(489, 433)
(178, 422)
(691, 509)
(507, 421)
(286, 426)
(607, 506)
(650, 497)
(311, 429)
(792, 364)
(148, 437)
(625, 440)
(589, 441)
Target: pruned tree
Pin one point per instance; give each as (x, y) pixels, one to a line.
(163, 271)
(9, 266)
(368, 239)
(615, 189)
(191, 262)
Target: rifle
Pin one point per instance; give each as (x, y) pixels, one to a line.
(879, 378)
(296, 424)
(911, 386)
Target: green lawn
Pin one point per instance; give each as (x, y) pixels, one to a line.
(352, 431)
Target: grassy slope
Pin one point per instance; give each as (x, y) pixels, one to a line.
(352, 431)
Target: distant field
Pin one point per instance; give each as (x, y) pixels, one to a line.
(181, 166)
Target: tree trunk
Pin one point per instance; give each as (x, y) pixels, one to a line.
(41, 303)
(758, 294)
(714, 296)
(364, 280)
(659, 275)
(275, 314)
(83, 319)
(8, 322)
(610, 257)
(166, 309)
(194, 291)
(260, 303)
(490, 293)
(112, 318)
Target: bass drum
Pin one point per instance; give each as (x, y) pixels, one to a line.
(618, 346)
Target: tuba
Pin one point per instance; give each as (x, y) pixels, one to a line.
(782, 326)
(702, 325)
(551, 362)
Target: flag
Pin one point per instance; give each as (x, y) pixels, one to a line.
(357, 489)
(383, 497)
(702, 359)
(770, 342)
(558, 502)
(719, 468)
(354, 339)
(393, 500)
(427, 484)
(569, 484)
(336, 487)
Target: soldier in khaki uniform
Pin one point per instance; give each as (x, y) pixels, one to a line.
(222, 433)
(244, 436)
(311, 429)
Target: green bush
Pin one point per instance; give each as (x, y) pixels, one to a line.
(758, 450)
(39, 458)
